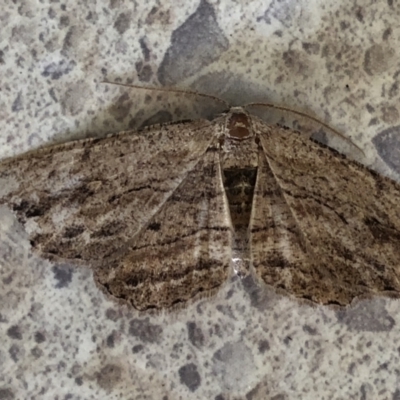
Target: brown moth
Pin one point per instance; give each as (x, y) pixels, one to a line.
(165, 215)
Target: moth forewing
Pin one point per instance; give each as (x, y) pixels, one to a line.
(164, 216)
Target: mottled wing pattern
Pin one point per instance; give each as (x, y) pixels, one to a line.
(148, 212)
(84, 200)
(324, 228)
(183, 251)
(279, 251)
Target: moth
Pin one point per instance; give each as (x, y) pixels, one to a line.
(166, 215)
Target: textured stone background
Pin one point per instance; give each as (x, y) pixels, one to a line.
(61, 339)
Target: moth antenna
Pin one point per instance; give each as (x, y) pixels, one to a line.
(329, 128)
(182, 91)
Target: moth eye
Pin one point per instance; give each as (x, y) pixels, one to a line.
(133, 281)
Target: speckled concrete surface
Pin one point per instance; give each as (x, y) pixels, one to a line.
(60, 337)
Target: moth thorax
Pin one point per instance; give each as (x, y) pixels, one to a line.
(239, 154)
